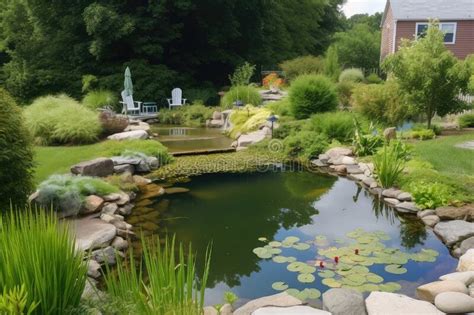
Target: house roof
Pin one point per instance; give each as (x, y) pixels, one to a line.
(431, 9)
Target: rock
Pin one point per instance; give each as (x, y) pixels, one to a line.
(93, 233)
(129, 135)
(424, 213)
(347, 160)
(391, 193)
(375, 185)
(106, 255)
(454, 303)
(151, 191)
(92, 204)
(354, 169)
(404, 196)
(124, 199)
(90, 293)
(294, 310)
(176, 190)
(153, 162)
(140, 125)
(119, 217)
(100, 167)
(143, 167)
(391, 201)
(318, 163)
(251, 138)
(126, 234)
(337, 152)
(226, 309)
(119, 243)
(123, 168)
(119, 224)
(210, 310)
(33, 197)
(324, 158)
(429, 291)
(456, 252)
(452, 232)
(107, 217)
(369, 181)
(466, 245)
(471, 290)
(407, 207)
(383, 303)
(111, 197)
(466, 277)
(217, 115)
(124, 160)
(452, 213)
(357, 177)
(390, 133)
(282, 299)
(140, 180)
(93, 269)
(430, 220)
(110, 208)
(341, 169)
(466, 261)
(126, 209)
(344, 302)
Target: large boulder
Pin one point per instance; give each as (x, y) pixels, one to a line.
(452, 213)
(454, 303)
(407, 207)
(282, 299)
(100, 167)
(337, 152)
(391, 193)
(429, 291)
(129, 135)
(390, 133)
(430, 220)
(383, 303)
(466, 261)
(466, 277)
(138, 125)
(294, 310)
(466, 245)
(107, 255)
(93, 233)
(452, 232)
(344, 302)
(251, 138)
(92, 204)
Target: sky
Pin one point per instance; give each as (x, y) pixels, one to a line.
(363, 6)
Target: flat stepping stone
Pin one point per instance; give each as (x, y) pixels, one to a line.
(466, 145)
(452, 232)
(295, 310)
(92, 233)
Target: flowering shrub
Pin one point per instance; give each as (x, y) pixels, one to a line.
(272, 80)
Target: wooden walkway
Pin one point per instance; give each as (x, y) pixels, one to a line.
(203, 152)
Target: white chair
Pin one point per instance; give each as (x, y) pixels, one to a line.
(176, 98)
(129, 106)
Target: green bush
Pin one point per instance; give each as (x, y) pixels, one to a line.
(389, 163)
(352, 75)
(280, 108)
(430, 195)
(15, 302)
(373, 78)
(466, 121)
(381, 102)
(335, 125)
(242, 75)
(39, 253)
(366, 142)
(248, 119)
(100, 99)
(305, 145)
(67, 193)
(61, 120)
(302, 65)
(189, 115)
(16, 155)
(311, 94)
(247, 94)
(171, 116)
(344, 90)
(287, 128)
(420, 134)
(147, 147)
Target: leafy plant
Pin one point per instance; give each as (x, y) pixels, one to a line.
(421, 134)
(335, 125)
(466, 121)
(230, 297)
(373, 78)
(38, 252)
(61, 120)
(332, 68)
(301, 66)
(389, 163)
(280, 108)
(311, 94)
(345, 90)
(99, 99)
(16, 155)
(305, 145)
(366, 143)
(430, 195)
(352, 75)
(89, 82)
(196, 115)
(242, 75)
(248, 119)
(287, 128)
(166, 282)
(15, 302)
(246, 94)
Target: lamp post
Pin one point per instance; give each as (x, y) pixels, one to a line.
(272, 118)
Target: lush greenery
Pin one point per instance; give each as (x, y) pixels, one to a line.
(335, 125)
(248, 119)
(246, 94)
(353, 75)
(16, 154)
(305, 145)
(58, 160)
(302, 65)
(190, 115)
(332, 68)
(242, 75)
(430, 195)
(430, 75)
(15, 301)
(389, 163)
(61, 120)
(100, 99)
(39, 254)
(310, 94)
(466, 121)
(366, 142)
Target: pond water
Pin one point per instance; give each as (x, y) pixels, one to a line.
(234, 210)
(180, 138)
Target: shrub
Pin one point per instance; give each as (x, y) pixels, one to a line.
(389, 163)
(332, 67)
(15, 302)
(272, 80)
(381, 102)
(310, 94)
(204, 95)
(147, 147)
(280, 108)
(242, 75)
(39, 253)
(100, 99)
(352, 75)
(373, 78)
(112, 123)
(248, 119)
(171, 285)
(366, 143)
(171, 116)
(246, 94)
(344, 90)
(16, 155)
(420, 134)
(466, 121)
(302, 65)
(287, 128)
(196, 115)
(430, 195)
(335, 125)
(61, 120)
(66, 193)
(305, 145)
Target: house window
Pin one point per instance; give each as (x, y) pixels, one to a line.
(449, 30)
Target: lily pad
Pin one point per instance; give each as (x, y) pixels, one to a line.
(372, 277)
(262, 239)
(280, 259)
(291, 239)
(262, 252)
(395, 269)
(358, 279)
(390, 287)
(301, 246)
(274, 244)
(296, 266)
(279, 286)
(312, 293)
(330, 282)
(306, 278)
(308, 269)
(326, 274)
(370, 287)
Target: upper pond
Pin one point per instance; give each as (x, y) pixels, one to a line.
(234, 210)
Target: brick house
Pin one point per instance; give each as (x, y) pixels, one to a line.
(409, 19)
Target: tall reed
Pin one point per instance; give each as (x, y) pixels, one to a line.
(38, 252)
(389, 163)
(165, 282)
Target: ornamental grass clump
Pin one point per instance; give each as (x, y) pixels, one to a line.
(248, 95)
(100, 99)
(38, 254)
(165, 283)
(389, 163)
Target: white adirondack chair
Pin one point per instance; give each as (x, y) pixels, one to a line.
(129, 106)
(176, 98)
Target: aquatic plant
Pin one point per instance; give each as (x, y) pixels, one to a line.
(389, 163)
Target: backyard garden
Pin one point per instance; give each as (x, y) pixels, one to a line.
(323, 186)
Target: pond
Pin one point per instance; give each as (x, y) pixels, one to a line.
(180, 138)
(234, 211)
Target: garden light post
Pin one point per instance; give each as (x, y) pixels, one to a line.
(272, 118)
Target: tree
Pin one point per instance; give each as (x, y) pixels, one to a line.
(332, 68)
(430, 75)
(16, 155)
(373, 21)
